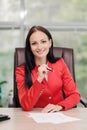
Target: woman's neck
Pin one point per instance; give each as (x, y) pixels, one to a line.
(41, 61)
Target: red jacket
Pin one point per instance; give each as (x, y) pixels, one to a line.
(41, 94)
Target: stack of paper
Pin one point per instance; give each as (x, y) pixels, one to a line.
(56, 118)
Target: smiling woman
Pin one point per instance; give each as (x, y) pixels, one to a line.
(39, 87)
(40, 45)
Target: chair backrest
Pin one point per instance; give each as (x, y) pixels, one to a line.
(66, 53)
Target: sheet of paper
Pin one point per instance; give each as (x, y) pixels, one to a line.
(56, 118)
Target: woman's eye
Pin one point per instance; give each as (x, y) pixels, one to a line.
(33, 43)
(44, 41)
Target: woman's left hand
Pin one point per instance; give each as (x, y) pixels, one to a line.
(52, 108)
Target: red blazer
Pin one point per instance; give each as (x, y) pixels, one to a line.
(41, 94)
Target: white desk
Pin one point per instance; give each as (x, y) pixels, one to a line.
(20, 121)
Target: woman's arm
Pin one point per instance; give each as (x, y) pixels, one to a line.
(69, 88)
(27, 97)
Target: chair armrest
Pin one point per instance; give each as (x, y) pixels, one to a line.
(11, 102)
(83, 101)
(11, 105)
(14, 103)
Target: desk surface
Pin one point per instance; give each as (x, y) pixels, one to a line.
(20, 121)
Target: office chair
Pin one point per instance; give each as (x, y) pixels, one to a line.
(66, 53)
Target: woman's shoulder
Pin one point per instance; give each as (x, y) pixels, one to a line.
(59, 64)
(60, 61)
(20, 68)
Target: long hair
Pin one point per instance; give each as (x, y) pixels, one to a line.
(29, 57)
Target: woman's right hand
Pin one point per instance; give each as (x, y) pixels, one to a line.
(42, 72)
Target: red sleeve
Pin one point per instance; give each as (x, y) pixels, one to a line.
(69, 88)
(27, 97)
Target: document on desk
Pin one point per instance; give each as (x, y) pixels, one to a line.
(56, 118)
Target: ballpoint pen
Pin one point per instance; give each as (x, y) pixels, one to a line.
(50, 69)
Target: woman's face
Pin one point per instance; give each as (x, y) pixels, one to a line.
(39, 44)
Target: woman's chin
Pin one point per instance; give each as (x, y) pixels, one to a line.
(41, 56)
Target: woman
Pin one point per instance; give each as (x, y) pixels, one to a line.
(42, 78)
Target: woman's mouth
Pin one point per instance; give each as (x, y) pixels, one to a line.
(40, 52)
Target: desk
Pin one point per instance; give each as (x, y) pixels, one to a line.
(20, 121)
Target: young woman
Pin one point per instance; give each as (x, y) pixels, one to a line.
(42, 78)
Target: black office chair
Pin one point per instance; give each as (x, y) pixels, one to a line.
(66, 53)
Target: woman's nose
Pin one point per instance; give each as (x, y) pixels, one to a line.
(39, 46)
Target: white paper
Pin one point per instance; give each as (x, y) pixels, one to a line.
(56, 118)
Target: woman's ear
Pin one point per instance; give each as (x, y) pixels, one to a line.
(50, 42)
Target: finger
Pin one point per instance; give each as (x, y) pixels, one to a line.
(48, 108)
(54, 110)
(49, 69)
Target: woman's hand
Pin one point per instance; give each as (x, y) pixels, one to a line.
(52, 108)
(42, 72)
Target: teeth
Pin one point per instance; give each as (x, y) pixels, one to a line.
(40, 51)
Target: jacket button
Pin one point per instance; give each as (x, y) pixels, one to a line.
(50, 97)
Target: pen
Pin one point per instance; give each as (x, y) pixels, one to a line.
(50, 69)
